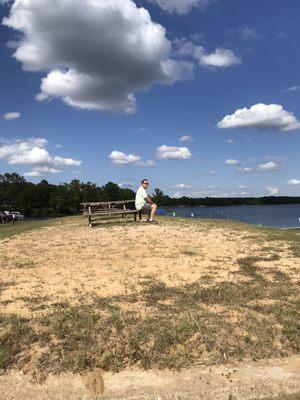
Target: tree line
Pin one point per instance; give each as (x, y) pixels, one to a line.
(47, 200)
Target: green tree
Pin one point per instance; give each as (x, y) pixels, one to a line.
(158, 197)
(111, 192)
(75, 195)
(127, 194)
(91, 192)
(12, 178)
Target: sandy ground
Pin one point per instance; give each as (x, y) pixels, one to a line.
(275, 379)
(59, 261)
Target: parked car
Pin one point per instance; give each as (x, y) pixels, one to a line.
(16, 216)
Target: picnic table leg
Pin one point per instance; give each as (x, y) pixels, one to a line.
(90, 217)
(134, 217)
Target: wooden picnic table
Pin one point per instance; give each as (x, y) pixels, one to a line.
(98, 210)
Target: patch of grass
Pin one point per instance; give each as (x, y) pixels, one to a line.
(249, 268)
(273, 257)
(10, 230)
(24, 264)
(295, 248)
(6, 302)
(286, 313)
(188, 252)
(279, 276)
(73, 328)
(289, 236)
(179, 326)
(171, 327)
(207, 278)
(173, 336)
(15, 336)
(155, 291)
(4, 285)
(252, 232)
(35, 303)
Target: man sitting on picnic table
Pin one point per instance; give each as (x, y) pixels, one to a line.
(143, 202)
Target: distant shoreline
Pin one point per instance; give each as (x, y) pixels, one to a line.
(228, 201)
(226, 205)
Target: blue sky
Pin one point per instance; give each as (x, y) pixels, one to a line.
(118, 87)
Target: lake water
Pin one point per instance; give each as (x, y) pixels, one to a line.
(281, 216)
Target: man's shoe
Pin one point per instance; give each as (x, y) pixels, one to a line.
(152, 221)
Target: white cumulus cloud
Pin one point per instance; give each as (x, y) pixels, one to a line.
(32, 173)
(293, 182)
(147, 164)
(292, 89)
(177, 195)
(65, 161)
(273, 190)
(221, 58)
(244, 170)
(38, 171)
(231, 161)
(261, 116)
(173, 153)
(96, 55)
(186, 138)
(121, 159)
(180, 6)
(182, 186)
(268, 166)
(11, 115)
(126, 185)
(33, 152)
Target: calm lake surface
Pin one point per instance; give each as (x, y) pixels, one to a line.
(280, 216)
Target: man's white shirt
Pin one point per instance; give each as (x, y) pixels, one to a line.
(140, 201)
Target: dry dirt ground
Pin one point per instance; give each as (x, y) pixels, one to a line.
(64, 261)
(275, 379)
(61, 260)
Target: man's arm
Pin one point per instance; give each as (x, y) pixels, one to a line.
(149, 200)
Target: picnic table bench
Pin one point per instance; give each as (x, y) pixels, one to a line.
(98, 210)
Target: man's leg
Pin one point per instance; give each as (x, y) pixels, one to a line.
(153, 211)
(146, 210)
